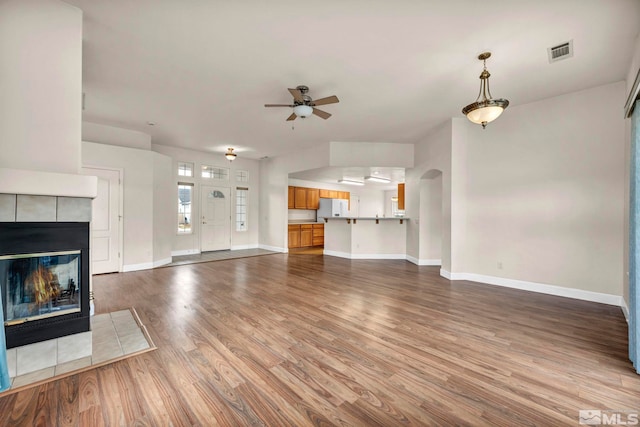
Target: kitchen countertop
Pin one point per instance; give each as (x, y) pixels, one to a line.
(303, 221)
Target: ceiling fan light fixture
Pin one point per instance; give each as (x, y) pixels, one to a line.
(485, 109)
(350, 182)
(380, 179)
(303, 110)
(230, 155)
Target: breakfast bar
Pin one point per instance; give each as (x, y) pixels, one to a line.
(365, 237)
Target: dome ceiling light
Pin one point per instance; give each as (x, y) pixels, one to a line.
(230, 155)
(485, 109)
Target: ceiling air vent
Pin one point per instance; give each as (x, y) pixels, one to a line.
(561, 51)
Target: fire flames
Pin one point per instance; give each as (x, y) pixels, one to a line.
(44, 284)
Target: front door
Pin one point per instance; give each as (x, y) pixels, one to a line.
(216, 219)
(105, 221)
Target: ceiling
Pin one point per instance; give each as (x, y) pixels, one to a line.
(202, 70)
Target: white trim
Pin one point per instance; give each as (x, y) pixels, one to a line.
(272, 248)
(625, 309)
(417, 261)
(185, 252)
(39, 183)
(446, 274)
(364, 256)
(241, 247)
(538, 287)
(137, 267)
(160, 262)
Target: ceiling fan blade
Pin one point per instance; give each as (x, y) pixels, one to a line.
(321, 113)
(297, 95)
(324, 101)
(291, 117)
(279, 105)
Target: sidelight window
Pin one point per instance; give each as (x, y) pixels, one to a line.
(185, 197)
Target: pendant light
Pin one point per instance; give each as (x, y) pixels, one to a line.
(230, 155)
(485, 109)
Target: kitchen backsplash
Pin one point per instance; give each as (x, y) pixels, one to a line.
(302, 215)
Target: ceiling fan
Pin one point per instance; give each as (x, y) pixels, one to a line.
(303, 106)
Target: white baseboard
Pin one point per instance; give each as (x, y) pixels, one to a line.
(537, 287)
(364, 256)
(446, 274)
(145, 265)
(417, 261)
(241, 247)
(137, 267)
(272, 248)
(185, 252)
(160, 262)
(625, 309)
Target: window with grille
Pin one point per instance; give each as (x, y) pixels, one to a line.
(242, 175)
(241, 208)
(185, 197)
(215, 173)
(185, 169)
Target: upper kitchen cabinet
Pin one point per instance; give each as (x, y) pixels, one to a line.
(292, 197)
(300, 198)
(401, 197)
(303, 198)
(313, 198)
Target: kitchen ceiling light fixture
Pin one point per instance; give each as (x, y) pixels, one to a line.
(378, 179)
(230, 155)
(350, 182)
(485, 109)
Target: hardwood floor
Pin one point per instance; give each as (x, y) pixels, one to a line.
(282, 340)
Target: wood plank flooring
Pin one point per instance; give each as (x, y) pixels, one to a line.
(294, 340)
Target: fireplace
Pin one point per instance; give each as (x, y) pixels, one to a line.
(44, 278)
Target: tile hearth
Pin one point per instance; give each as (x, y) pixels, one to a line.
(113, 336)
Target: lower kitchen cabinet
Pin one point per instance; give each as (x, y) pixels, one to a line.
(306, 235)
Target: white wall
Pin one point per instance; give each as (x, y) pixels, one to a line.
(41, 85)
(190, 243)
(432, 154)
(140, 168)
(164, 201)
(115, 136)
(544, 191)
(431, 219)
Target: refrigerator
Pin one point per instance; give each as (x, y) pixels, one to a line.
(330, 208)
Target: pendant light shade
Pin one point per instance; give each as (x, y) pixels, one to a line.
(485, 109)
(303, 110)
(230, 155)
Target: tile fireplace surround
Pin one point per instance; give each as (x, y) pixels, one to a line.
(34, 196)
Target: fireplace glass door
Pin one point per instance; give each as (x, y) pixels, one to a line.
(40, 285)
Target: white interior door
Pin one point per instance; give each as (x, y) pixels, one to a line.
(105, 221)
(216, 219)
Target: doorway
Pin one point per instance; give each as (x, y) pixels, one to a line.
(216, 219)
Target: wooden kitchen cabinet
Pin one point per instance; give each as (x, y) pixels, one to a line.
(300, 198)
(292, 197)
(313, 198)
(401, 197)
(318, 234)
(294, 236)
(324, 194)
(306, 235)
